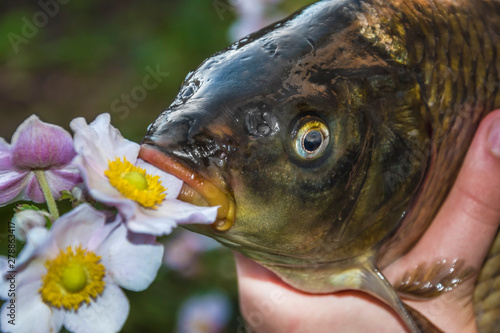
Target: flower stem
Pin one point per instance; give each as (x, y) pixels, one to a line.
(49, 198)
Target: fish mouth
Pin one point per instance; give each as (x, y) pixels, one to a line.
(196, 190)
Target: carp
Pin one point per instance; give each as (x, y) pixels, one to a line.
(330, 139)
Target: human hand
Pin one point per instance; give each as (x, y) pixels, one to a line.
(464, 228)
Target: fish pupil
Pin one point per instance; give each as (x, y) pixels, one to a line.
(312, 140)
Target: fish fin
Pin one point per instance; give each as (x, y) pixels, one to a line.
(431, 280)
(374, 283)
(423, 324)
(487, 291)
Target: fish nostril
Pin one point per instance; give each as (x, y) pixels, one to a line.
(147, 140)
(188, 93)
(178, 134)
(260, 123)
(170, 132)
(264, 129)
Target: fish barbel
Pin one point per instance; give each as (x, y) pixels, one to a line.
(330, 139)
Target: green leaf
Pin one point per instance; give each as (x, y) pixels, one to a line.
(66, 195)
(22, 207)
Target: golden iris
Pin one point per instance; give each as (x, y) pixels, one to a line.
(312, 138)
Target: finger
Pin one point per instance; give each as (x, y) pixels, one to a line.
(270, 305)
(248, 269)
(464, 228)
(469, 218)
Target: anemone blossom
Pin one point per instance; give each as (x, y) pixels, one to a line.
(144, 195)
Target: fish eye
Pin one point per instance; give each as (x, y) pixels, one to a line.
(311, 138)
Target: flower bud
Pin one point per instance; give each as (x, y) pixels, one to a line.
(27, 219)
(38, 145)
(39, 155)
(80, 194)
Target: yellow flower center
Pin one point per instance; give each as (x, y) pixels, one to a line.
(73, 278)
(134, 183)
(136, 179)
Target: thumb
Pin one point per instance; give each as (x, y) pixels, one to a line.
(465, 228)
(469, 218)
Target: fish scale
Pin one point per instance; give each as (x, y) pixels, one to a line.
(467, 72)
(444, 87)
(402, 87)
(487, 292)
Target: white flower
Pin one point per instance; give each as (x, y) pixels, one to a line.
(115, 176)
(72, 275)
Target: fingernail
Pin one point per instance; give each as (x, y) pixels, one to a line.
(494, 137)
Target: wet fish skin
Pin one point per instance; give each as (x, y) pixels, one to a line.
(253, 82)
(454, 55)
(401, 87)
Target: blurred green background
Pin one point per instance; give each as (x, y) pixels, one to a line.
(81, 58)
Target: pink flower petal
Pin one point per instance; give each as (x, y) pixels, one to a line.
(5, 163)
(38, 145)
(112, 197)
(101, 142)
(81, 226)
(188, 213)
(106, 314)
(11, 184)
(154, 226)
(63, 179)
(31, 274)
(131, 260)
(33, 191)
(168, 215)
(23, 185)
(93, 175)
(26, 276)
(30, 305)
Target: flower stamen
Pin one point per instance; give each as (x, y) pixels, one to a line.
(134, 183)
(73, 278)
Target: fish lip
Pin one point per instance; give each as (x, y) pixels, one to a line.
(211, 194)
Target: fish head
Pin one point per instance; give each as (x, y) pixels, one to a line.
(282, 131)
